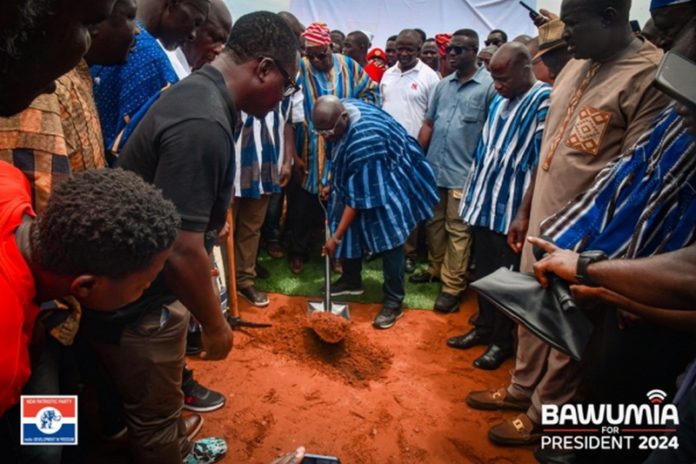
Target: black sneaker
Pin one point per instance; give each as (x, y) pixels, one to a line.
(342, 287)
(387, 317)
(199, 399)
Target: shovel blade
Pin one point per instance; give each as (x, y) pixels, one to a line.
(338, 309)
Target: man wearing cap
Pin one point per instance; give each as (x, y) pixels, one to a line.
(321, 73)
(450, 133)
(553, 52)
(602, 102)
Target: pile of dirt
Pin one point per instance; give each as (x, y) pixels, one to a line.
(328, 326)
(355, 360)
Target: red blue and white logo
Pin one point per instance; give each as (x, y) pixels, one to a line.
(49, 420)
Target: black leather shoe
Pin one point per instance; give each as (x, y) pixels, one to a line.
(446, 303)
(472, 338)
(410, 265)
(493, 357)
(423, 278)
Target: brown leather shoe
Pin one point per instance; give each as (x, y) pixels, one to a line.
(520, 431)
(498, 399)
(296, 266)
(193, 424)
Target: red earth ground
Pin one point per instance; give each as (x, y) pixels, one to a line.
(392, 396)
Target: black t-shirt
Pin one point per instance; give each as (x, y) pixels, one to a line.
(185, 147)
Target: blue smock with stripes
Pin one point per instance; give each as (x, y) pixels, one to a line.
(381, 171)
(643, 203)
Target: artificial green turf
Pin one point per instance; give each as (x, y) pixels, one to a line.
(311, 282)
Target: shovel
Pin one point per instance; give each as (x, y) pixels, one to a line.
(327, 306)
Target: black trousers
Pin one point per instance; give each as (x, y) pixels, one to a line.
(492, 252)
(307, 218)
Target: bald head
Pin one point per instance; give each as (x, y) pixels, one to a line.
(511, 69)
(326, 110)
(297, 27)
(211, 36)
(511, 54)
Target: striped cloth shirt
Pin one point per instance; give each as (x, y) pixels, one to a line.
(120, 91)
(505, 159)
(641, 204)
(381, 171)
(347, 79)
(258, 146)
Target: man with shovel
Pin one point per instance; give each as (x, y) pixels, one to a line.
(381, 187)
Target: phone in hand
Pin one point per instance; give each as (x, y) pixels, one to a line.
(320, 459)
(532, 12)
(635, 26)
(675, 77)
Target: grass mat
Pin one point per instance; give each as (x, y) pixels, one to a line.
(311, 282)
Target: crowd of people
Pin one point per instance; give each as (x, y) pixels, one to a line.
(129, 128)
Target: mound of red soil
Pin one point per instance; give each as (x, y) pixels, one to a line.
(328, 326)
(354, 359)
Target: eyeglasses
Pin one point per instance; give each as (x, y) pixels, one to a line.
(329, 132)
(457, 50)
(317, 56)
(290, 84)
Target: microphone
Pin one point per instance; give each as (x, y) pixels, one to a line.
(558, 286)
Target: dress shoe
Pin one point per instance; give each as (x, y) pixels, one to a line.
(410, 265)
(296, 265)
(254, 296)
(493, 357)
(520, 431)
(469, 339)
(193, 424)
(447, 303)
(491, 400)
(423, 278)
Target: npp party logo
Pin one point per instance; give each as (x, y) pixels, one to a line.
(49, 420)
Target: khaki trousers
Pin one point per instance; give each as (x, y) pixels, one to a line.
(449, 243)
(249, 214)
(146, 367)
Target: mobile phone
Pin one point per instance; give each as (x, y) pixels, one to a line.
(635, 26)
(319, 459)
(532, 12)
(675, 78)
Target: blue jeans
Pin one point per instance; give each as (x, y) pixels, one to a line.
(393, 263)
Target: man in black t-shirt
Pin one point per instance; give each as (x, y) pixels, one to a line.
(184, 146)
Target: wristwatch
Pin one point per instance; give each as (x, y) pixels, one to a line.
(585, 259)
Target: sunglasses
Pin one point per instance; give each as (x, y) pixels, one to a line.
(290, 86)
(495, 42)
(457, 50)
(329, 132)
(317, 56)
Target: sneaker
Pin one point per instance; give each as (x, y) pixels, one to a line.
(254, 296)
(387, 317)
(199, 399)
(342, 287)
(207, 451)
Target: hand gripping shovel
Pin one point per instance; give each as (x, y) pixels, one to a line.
(327, 306)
